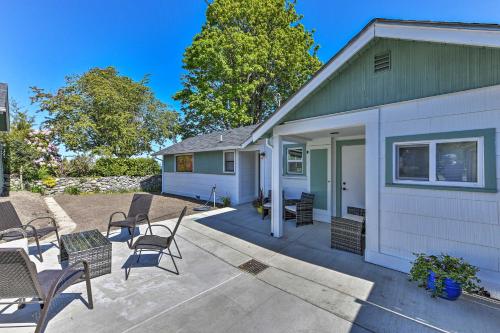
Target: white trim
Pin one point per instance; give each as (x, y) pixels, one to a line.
(192, 163)
(224, 161)
(410, 31)
(432, 163)
(290, 173)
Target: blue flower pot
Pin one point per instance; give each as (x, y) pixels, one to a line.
(452, 290)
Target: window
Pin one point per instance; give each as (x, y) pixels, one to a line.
(295, 160)
(184, 163)
(229, 157)
(413, 162)
(457, 162)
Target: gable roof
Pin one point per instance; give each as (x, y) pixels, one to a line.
(473, 34)
(231, 139)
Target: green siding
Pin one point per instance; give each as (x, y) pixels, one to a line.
(168, 163)
(304, 159)
(319, 177)
(490, 169)
(418, 69)
(209, 162)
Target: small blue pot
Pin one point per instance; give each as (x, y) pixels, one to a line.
(452, 290)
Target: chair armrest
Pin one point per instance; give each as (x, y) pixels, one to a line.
(63, 277)
(290, 202)
(140, 217)
(163, 226)
(53, 221)
(113, 214)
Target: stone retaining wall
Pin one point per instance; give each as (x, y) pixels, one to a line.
(95, 184)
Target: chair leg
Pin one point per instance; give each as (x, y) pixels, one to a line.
(139, 256)
(107, 234)
(177, 247)
(38, 248)
(173, 260)
(58, 240)
(127, 272)
(89, 292)
(40, 326)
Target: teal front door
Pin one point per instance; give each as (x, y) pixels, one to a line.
(319, 185)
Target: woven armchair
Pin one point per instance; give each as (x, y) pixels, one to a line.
(9, 219)
(137, 213)
(158, 244)
(302, 210)
(19, 279)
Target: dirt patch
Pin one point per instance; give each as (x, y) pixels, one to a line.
(91, 211)
(28, 205)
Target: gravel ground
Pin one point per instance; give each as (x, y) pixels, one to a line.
(90, 211)
(28, 205)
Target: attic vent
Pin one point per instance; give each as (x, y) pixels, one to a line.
(382, 62)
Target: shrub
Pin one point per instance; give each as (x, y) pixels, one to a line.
(226, 201)
(37, 189)
(49, 181)
(80, 166)
(72, 190)
(107, 167)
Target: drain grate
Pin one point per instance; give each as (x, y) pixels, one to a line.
(253, 267)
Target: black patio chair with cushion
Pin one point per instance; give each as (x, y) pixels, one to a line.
(137, 213)
(159, 244)
(20, 280)
(303, 209)
(9, 219)
(267, 206)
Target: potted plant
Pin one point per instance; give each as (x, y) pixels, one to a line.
(445, 276)
(257, 203)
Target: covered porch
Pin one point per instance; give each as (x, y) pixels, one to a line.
(341, 170)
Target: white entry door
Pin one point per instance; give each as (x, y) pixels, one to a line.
(353, 181)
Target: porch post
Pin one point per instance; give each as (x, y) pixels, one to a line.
(276, 182)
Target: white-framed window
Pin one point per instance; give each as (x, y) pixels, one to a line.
(184, 163)
(451, 162)
(229, 161)
(295, 160)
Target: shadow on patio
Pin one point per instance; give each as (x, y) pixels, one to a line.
(373, 297)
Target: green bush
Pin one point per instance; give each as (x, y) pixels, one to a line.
(37, 189)
(72, 190)
(107, 167)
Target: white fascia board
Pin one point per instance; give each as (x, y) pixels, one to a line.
(316, 81)
(200, 151)
(449, 35)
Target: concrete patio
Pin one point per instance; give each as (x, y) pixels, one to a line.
(308, 287)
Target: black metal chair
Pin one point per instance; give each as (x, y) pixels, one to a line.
(158, 243)
(9, 219)
(137, 213)
(20, 279)
(303, 209)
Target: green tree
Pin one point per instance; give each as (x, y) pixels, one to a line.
(248, 57)
(20, 154)
(105, 113)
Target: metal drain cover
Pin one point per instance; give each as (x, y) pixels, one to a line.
(253, 267)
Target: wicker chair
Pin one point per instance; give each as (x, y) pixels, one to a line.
(19, 279)
(9, 219)
(303, 209)
(158, 243)
(137, 213)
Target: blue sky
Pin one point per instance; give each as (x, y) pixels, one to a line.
(44, 40)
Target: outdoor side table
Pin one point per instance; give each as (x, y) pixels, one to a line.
(90, 246)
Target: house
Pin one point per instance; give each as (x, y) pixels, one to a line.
(227, 160)
(401, 127)
(4, 126)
